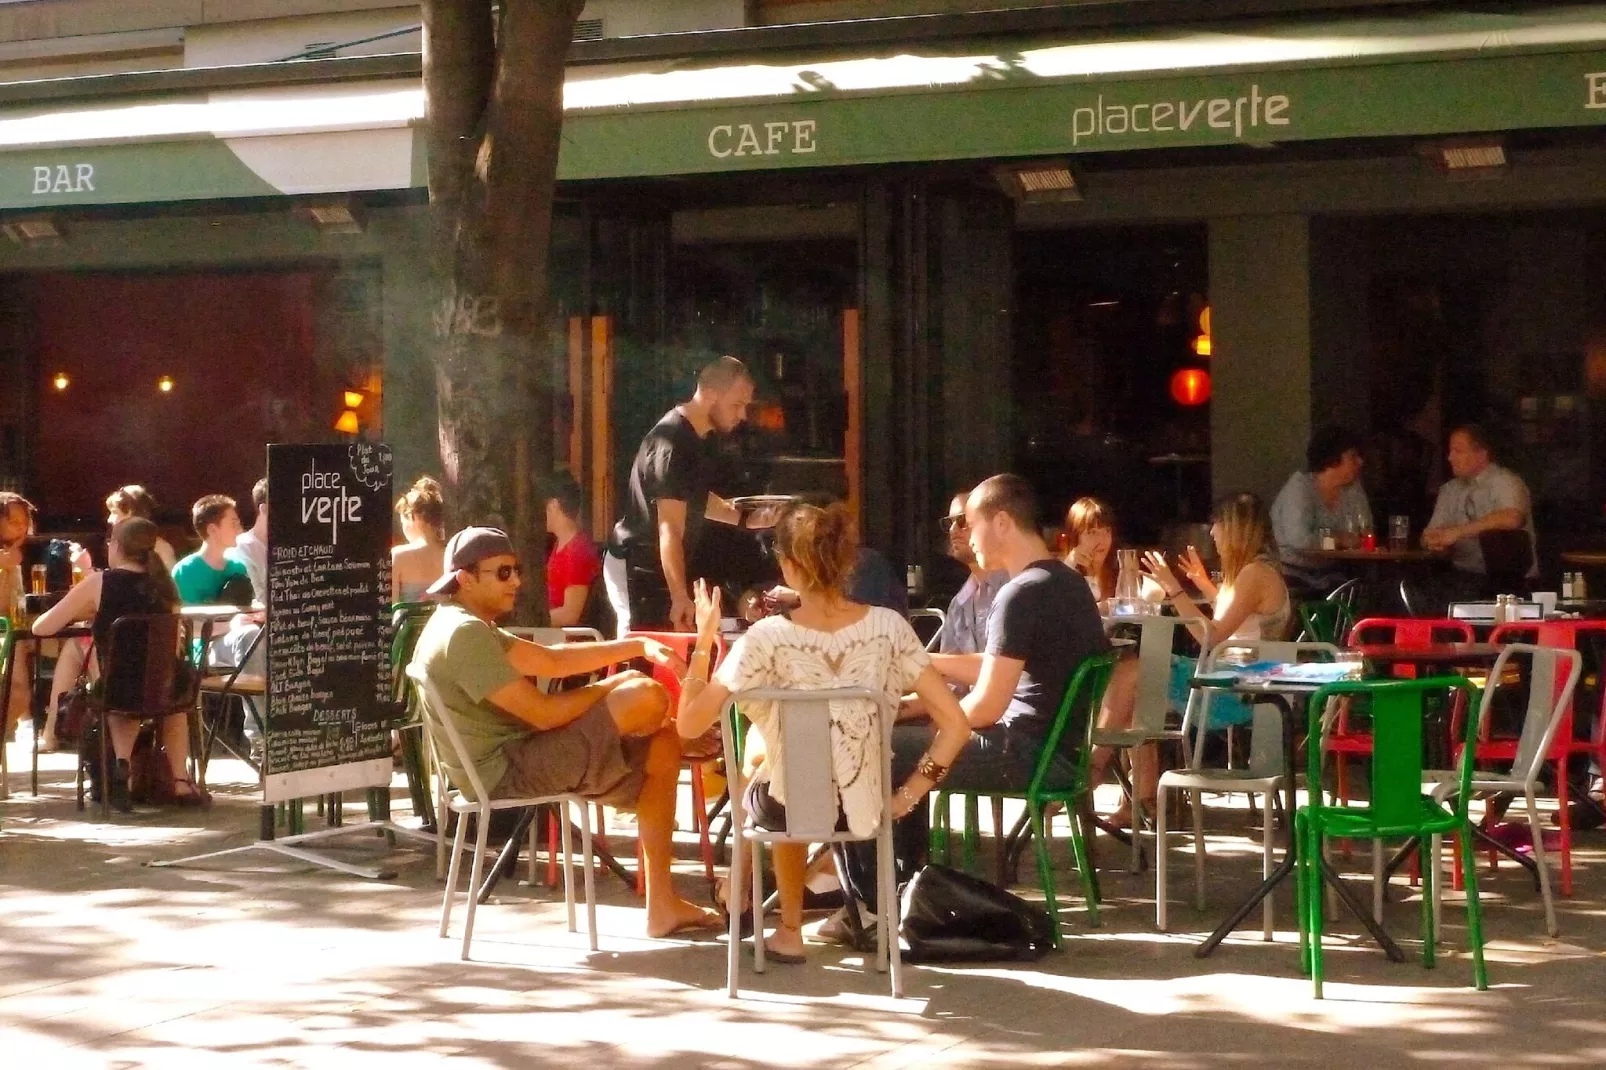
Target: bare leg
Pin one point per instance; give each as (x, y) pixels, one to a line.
(639, 707)
(21, 686)
(123, 732)
(1115, 714)
(176, 742)
(69, 666)
(791, 870)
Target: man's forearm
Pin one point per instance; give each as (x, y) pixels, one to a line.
(672, 555)
(961, 668)
(571, 659)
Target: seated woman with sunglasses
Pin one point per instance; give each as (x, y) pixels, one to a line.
(137, 583)
(826, 642)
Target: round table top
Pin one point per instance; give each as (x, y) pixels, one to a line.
(1587, 558)
(1382, 554)
(1430, 654)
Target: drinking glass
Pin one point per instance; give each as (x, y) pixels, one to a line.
(1399, 532)
(37, 579)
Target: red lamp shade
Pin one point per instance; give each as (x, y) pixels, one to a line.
(1190, 386)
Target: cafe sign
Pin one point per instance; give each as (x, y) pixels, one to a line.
(1009, 113)
(1021, 115)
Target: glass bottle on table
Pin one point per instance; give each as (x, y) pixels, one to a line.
(1128, 584)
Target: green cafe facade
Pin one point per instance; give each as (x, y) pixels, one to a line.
(942, 261)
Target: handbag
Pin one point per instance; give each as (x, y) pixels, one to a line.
(949, 916)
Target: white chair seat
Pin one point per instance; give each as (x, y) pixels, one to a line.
(1133, 737)
(1219, 780)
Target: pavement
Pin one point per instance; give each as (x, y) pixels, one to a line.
(259, 960)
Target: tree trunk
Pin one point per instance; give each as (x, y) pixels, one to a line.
(494, 85)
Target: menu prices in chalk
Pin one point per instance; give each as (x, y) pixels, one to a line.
(329, 630)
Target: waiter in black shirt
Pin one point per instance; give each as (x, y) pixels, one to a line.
(671, 498)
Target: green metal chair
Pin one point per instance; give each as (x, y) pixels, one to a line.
(1329, 620)
(1399, 806)
(1085, 692)
(408, 619)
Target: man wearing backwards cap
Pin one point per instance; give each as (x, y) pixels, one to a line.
(610, 741)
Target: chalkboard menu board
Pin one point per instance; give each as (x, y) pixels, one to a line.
(329, 630)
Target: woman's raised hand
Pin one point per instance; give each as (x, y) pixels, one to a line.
(706, 598)
(1193, 567)
(1158, 569)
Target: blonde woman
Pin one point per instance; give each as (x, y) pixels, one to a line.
(826, 642)
(416, 564)
(1251, 602)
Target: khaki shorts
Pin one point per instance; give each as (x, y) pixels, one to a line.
(586, 757)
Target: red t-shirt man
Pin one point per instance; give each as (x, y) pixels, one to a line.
(573, 564)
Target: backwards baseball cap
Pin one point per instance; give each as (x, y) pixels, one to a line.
(467, 549)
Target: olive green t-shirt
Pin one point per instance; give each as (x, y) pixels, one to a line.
(466, 659)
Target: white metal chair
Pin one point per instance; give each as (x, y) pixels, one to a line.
(438, 726)
(930, 614)
(1150, 707)
(1263, 777)
(811, 814)
(1550, 696)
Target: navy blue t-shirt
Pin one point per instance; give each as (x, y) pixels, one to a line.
(1045, 617)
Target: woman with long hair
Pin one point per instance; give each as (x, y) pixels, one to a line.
(1252, 600)
(827, 641)
(416, 564)
(137, 583)
(126, 501)
(1092, 534)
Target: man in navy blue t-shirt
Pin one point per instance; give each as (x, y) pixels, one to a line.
(1042, 624)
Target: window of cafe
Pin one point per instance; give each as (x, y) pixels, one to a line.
(1111, 366)
(1498, 320)
(177, 379)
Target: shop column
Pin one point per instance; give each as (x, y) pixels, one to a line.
(1261, 367)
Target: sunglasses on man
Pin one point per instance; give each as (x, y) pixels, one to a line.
(952, 521)
(503, 572)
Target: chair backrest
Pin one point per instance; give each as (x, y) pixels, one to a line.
(681, 643)
(1397, 707)
(139, 665)
(597, 612)
(1588, 637)
(1553, 675)
(1266, 753)
(1156, 634)
(931, 614)
(1083, 695)
(805, 726)
(408, 619)
(438, 727)
(1507, 557)
(1410, 631)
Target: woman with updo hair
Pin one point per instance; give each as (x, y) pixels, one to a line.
(416, 564)
(827, 641)
(135, 500)
(137, 583)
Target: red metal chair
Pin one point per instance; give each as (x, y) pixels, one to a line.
(1345, 740)
(682, 643)
(1564, 634)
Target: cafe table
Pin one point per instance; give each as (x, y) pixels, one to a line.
(1289, 696)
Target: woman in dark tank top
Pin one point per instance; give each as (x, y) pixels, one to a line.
(137, 583)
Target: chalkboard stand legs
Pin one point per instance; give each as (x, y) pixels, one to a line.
(291, 846)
